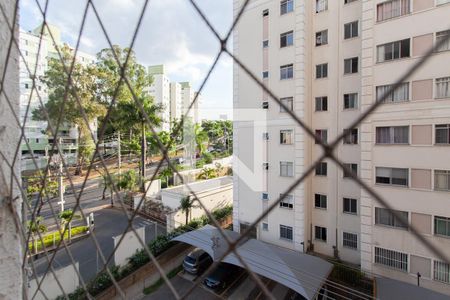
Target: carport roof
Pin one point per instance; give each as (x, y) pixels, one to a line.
(302, 273)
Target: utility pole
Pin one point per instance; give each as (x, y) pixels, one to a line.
(60, 181)
(143, 152)
(119, 160)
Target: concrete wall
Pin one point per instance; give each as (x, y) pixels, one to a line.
(212, 199)
(190, 175)
(11, 252)
(128, 246)
(67, 276)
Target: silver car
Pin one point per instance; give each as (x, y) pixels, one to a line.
(197, 261)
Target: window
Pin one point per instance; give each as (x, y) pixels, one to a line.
(442, 226)
(37, 141)
(351, 30)
(443, 35)
(392, 135)
(286, 169)
(287, 201)
(394, 50)
(265, 136)
(322, 38)
(286, 232)
(265, 74)
(265, 105)
(321, 135)
(321, 169)
(286, 39)
(401, 94)
(320, 233)
(351, 65)
(349, 1)
(392, 259)
(391, 9)
(286, 137)
(26, 85)
(350, 240)
(320, 201)
(443, 87)
(393, 176)
(265, 226)
(350, 206)
(321, 5)
(265, 13)
(322, 71)
(442, 180)
(265, 166)
(384, 216)
(351, 136)
(286, 6)
(442, 133)
(321, 103)
(286, 72)
(288, 102)
(265, 196)
(350, 101)
(441, 271)
(265, 43)
(350, 169)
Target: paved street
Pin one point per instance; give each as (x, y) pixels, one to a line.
(108, 223)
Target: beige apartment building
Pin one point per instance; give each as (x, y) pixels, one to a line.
(328, 61)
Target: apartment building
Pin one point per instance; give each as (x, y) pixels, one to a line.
(160, 90)
(329, 61)
(188, 95)
(29, 44)
(176, 101)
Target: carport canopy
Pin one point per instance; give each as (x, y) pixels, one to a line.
(300, 272)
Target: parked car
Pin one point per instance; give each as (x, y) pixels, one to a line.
(221, 276)
(197, 261)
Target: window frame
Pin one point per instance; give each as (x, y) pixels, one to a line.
(290, 134)
(352, 138)
(391, 170)
(351, 63)
(290, 103)
(322, 200)
(286, 3)
(285, 37)
(446, 129)
(286, 230)
(447, 225)
(392, 16)
(351, 202)
(351, 26)
(323, 234)
(322, 69)
(265, 226)
(385, 217)
(322, 167)
(351, 241)
(287, 71)
(389, 258)
(322, 135)
(393, 138)
(391, 97)
(439, 275)
(443, 80)
(349, 168)
(265, 74)
(321, 100)
(323, 37)
(355, 100)
(325, 7)
(288, 165)
(392, 46)
(442, 34)
(287, 202)
(443, 173)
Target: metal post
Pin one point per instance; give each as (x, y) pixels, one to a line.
(418, 278)
(143, 154)
(70, 232)
(60, 186)
(119, 160)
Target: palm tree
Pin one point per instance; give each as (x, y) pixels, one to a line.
(166, 173)
(201, 139)
(186, 204)
(207, 173)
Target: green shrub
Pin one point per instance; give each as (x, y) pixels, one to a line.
(208, 157)
(48, 238)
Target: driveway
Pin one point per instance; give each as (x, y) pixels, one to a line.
(182, 285)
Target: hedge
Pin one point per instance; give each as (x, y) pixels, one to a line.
(48, 238)
(157, 246)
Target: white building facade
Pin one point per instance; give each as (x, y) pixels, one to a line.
(160, 90)
(328, 61)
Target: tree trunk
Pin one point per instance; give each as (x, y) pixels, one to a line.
(187, 216)
(80, 161)
(104, 192)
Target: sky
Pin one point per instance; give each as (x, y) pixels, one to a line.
(172, 33)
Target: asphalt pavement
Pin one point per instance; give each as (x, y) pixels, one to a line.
(109, 222)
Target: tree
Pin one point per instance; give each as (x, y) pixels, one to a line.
(36, 226)
(186, 204)
(129, 181)
(108, 183)
(201, 139)
(36, 183)
(165, 139)
(67, 100)
(165, 174)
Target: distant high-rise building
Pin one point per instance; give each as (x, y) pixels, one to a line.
(328, 61)
(160, 90)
